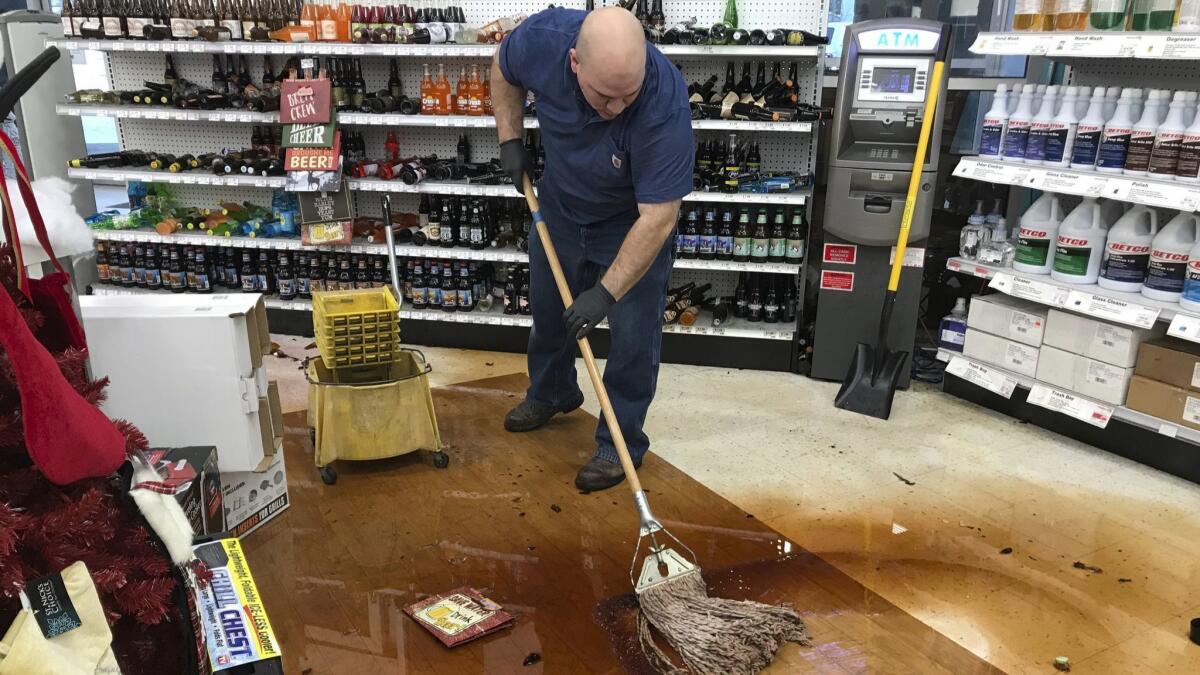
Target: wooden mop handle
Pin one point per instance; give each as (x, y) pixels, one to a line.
(610, 416)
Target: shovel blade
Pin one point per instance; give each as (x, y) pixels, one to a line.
(870, 384)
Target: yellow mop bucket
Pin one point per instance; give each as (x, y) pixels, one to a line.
(387, 414)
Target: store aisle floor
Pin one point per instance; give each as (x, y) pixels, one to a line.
(982, 545)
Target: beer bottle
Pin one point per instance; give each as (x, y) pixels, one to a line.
(153, 268)
(379, 273)
(690, 239)
(394, 84)
(102, 251)
(316, 274)
(344, 279)
(707, 249)
(66, 17)
(331, 273)
(732, 170)
(729, 83)
(511, 305)
(477, 238)
(203, 273)
(216, 264)
(761, 239)
(481, 286)
(449, 226)
(406, 281)
(164, 266)
(724, 234)
(753, 159)
(170, 75)
(219, 83)
(285, 278)
(777, 248)
(189, 269)
(523, 292)
(247, 19)
(229, 19)
(139, 266)
(362, 275)
(265, 280)
(248, 274)
(466, 289)
(789, 301)
(433, 285)
(754, 300)
(358, 86)
(140, 15)
(420, 298)
(113, 20)
(742, 243)
(176, 275)
(745, 85)
(449, 288)
(463, 237)
(771, 302)
(796, 234)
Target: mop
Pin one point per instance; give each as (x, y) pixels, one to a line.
(711, 635)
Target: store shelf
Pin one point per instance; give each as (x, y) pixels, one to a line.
(136, 112)
(1129, 308)
(1134, 417)
(457, 253)
(369, 119)
(496, 317)
(1092, 45)
(447, 50)
(1134, 189)
(181, 178)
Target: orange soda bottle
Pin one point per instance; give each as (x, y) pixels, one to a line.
(326, 22)
(428, 95)
(460, 93)
(445, 97)
(487, 94)
(345, 11)
(308, 16)
(474, 93)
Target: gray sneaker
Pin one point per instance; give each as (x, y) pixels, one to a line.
(528, 415)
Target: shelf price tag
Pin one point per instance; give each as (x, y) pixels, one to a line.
(1030, 289)
(1185, 326)
(1153, 193)
(1171, 46)
(1010, 44)
(1086, 44)
(1071, 405)
(992, 172)
(981, 376)
(1112, 309)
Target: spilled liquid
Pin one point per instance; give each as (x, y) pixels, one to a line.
(337, 569)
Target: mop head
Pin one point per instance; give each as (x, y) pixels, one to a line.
(713, 635)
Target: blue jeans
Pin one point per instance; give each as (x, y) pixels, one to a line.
(635, 327)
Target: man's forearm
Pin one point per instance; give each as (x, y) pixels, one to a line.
(508, 104)
(641, 246)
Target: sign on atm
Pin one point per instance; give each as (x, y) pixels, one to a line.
(843, 254)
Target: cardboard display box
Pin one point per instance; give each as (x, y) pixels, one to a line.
(1008, 317)
(1170, 360)
(1111, 343)
(187, 370)
(1008, 354)
(254, 497)
(1173, 404)
(1087, 377)
(193, 470)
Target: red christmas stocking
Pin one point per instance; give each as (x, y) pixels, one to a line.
(67, 437)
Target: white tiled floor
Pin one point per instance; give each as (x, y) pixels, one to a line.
(774, 444)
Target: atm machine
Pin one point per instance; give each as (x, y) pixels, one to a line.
(885, 71)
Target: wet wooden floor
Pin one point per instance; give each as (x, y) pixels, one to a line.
(337, 569)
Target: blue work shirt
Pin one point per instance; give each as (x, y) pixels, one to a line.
(597, 170)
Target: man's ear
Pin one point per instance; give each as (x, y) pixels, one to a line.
(574, 61)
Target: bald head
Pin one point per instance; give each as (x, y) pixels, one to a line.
(609, 60)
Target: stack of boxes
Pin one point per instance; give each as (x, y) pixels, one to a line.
(1166, 381)
(1092, 358)
(188, 370)
(1006, 332)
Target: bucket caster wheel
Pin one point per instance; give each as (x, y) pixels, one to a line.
(441, 460)
(328, 474)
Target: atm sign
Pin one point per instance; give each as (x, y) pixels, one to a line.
(899, 40)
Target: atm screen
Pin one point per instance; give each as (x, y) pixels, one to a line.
(893, 80)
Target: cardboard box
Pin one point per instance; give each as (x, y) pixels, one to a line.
(193, 470)
(1170, 403)
(188, 370)
(1008, 317)
(1111, 343)
(1170, 360)
(253, 497)
(1007, 354)
(1087, 377)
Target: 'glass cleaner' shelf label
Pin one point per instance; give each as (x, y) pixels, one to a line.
(1112, 309)
(1071, 405)
(981, 376)
(1030, 289)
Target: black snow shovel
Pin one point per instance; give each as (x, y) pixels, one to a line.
(870, 385)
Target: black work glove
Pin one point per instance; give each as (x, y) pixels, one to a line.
(516, 163)
(589, 309)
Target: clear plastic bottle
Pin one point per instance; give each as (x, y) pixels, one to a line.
(1071, 15)
(999, 250)
(952, 331)
(1108, 14)
(974, 234)
(1188, 17)
(1032, 15)
(1152, 15)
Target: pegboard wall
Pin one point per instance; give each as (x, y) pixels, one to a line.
(1144, 73)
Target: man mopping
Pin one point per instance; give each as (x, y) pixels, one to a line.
(615, 124)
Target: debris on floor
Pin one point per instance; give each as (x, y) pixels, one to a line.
(556, 508)
(902, 479)
(1084, 566)
(533, 658)
(1124, 580)
(1062, 663)
(459, 616)
(1006, 550)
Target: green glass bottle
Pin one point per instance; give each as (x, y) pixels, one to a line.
(730, 19)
